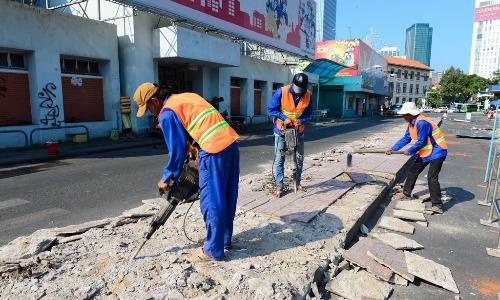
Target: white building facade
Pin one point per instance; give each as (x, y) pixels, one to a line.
(54, 83)
(409, 80)
(390, 51)
(485, 49)
(129, 47)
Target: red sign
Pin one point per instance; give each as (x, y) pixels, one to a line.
(486, 13)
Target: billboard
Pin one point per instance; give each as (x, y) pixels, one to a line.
(345, 52)
(289, 25)
(363, 60)
(491, 12)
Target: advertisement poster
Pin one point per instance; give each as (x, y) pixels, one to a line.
(288, 25)
(344, 52)
(365, 62)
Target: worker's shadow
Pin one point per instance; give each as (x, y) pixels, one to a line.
(458, 195)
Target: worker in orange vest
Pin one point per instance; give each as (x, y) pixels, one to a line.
(429, 148)
(290, 107)
(187, 120)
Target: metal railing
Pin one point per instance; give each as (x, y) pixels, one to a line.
(491, 197)
(18, 131)
(55, 128)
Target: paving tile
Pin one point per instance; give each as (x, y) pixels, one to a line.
(396, 241)
(358, 254)
(358, 285)
(391, 258)
(430, 271)
(253, 204)
(410, 206)
(408, 215)
(394, 224)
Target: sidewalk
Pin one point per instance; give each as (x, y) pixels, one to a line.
(38, 154)
(284, 248)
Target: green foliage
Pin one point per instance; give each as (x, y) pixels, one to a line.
(434, 98)
(495, 79)
(459, 87)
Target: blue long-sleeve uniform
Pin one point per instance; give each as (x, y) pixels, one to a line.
(424, 131)
(219, 178)
(274, 109)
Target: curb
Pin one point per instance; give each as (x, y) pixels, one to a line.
(31, 160)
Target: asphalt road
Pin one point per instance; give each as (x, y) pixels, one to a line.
(456, 239)
(96, 186)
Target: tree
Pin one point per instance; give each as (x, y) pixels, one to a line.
(475, 84)
(495, 77)
(453, 85)
(434, 98)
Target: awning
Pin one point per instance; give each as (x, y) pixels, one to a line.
(325, 68)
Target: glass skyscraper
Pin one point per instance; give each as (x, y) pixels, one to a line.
(419, 43)
(326, 19)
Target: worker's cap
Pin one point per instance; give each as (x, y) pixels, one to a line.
(300, 82)
(409, 108)
(142, 95)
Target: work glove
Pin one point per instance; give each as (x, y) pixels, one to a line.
(288, 122)
(163, 186)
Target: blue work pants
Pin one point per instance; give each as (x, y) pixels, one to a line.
(219, 178)
(279, 159)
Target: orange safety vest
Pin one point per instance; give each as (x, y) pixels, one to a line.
(437, 135)
(202, 122)
(289, 109)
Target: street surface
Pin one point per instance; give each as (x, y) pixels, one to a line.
(456, 239)
(90, 187)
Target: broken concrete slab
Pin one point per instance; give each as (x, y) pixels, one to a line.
(493, 252)
(359, 285)
(154, 203)
(142, 211)
(393, 259)
(395, 224)
(69, 239)
(81, 228)
(357, 254)
(397, 241)
(430, 271)
(423, 224)
(410, 206)
(408, 215)
(27, 246)
(397, 279)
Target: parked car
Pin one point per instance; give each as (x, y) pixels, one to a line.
(395, 108)
(441, 109)
(451, 109)
(426, 109)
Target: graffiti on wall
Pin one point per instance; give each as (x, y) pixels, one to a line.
(51, 109)
(3, 87)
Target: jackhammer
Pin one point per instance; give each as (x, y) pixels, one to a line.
(185, 190)
(291, 144)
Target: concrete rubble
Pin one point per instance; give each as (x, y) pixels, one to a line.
(390, 250)
(395, 224)
(360, 285)
(408, 215)
(397, 241)
(274, 255)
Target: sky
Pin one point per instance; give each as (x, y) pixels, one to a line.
(452, 21)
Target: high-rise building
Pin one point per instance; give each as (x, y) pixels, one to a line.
(326, 19)
(419, 43)
(436, 76)
(485, 49)
(390, 51)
